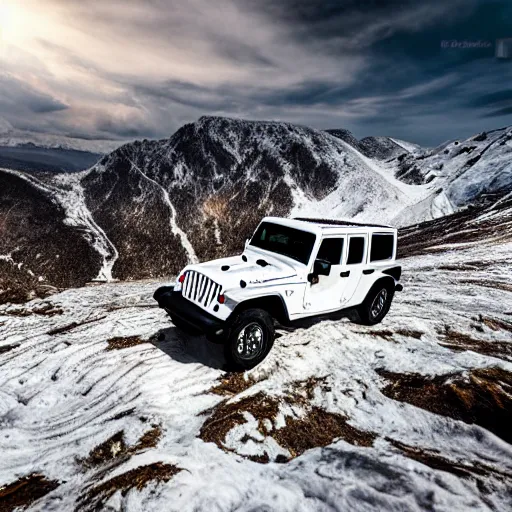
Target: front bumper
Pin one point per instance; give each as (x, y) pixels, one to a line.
(179, 307)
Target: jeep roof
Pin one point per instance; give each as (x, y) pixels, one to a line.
(326, 226)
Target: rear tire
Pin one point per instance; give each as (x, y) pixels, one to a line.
(375, 306)
(249, 339)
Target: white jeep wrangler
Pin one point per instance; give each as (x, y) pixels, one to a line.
(291, 269)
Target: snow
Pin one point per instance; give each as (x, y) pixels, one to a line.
(61, 395)
(72, 198)
(408, 146)
(385, 198)
(68, 192)
(456, 182)
(185, 242)
(12, 138)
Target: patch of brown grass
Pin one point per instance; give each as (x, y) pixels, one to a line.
(303, 391)
(316, 429)
(136, 478)
(482, 397)
(116, 449)
(495, 323)
(232, 384)
(149, 439)
(313, 428)
(457, 341)
(227, 415)
(385, 334)
(107, 451)
(24, 492)
(410, 333)
(120, 342)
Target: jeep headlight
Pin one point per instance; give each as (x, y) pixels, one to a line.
(179, 281)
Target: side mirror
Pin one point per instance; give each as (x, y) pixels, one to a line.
(313, 278)
(321, 268)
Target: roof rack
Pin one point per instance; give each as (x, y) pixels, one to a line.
(340, 222)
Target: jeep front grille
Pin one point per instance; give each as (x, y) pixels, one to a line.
(200, 289)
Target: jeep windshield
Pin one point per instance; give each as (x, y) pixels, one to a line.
(294, 243)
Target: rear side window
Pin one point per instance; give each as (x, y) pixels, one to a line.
(331, 250)
(355, 250)
(382, 246)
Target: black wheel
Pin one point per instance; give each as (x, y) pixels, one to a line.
(249, 339)
(183, 326)
(376, 304)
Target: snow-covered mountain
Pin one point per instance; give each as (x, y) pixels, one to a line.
(380, 148)
(200, 193)
(458, 173)
(150, 206)
(12, 137)
(39, 152)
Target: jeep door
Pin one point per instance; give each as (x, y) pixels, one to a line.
(324, 296)
(352, 267)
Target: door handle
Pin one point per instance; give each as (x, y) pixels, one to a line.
(345, 274)
(369, 271)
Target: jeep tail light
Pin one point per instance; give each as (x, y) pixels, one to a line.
(221, 299)
(181, 278)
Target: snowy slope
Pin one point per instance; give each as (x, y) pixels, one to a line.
(408, 146)
(457, 174)
(98, 382)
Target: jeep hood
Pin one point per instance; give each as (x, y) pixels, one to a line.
(228, 272)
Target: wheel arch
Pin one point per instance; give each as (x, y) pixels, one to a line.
(394, 272)
(379, 282)
(273, 304)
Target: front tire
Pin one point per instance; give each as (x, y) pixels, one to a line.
(249, 339)
(376, 304)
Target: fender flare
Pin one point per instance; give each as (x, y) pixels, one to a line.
(378, 282)
(262, 302)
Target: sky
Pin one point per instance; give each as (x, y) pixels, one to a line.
(423, 71)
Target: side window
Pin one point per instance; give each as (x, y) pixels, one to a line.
(355, 250)
(382, 246)
(331, 250)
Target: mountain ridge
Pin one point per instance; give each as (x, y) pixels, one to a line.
(148, 207)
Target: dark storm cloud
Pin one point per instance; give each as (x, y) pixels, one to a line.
(18, 96)
(141, 69)
(189, 94)
(493, 98)
(129, 128)
(506, 111)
